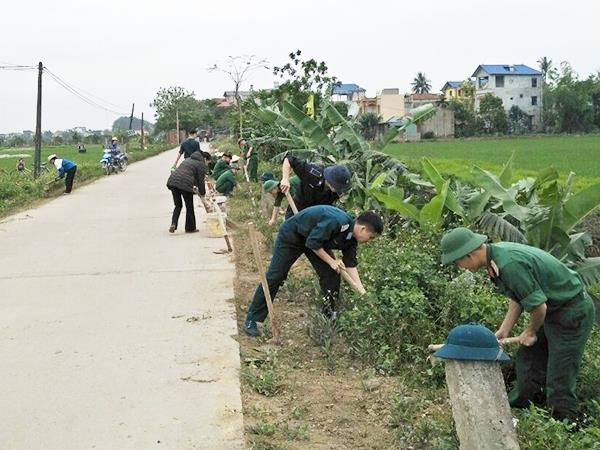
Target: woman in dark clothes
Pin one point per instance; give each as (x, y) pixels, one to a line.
(189, 175)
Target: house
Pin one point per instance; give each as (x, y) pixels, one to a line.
(391, 103)
(347, 92)
(412, 101)
(368, 105)
(230, 96)
(440, 125)
(517, 84)
(452, 90)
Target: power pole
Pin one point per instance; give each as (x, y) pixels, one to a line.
(142, 131)
(177, 120)
(131, 117)
(37, 161)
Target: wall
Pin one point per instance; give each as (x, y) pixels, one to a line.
(390, 105)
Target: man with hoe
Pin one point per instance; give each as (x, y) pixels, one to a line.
(315, 232)
(272, 187)
(250, 157)
(318, 185)
(561, 315)
(66, 169)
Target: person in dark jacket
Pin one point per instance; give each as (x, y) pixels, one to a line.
(187, 178)
(319, 185)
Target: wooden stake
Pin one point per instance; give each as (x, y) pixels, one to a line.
(265, 284)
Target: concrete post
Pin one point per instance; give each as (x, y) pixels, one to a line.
(480, 406)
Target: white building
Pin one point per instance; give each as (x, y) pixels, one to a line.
(517, 84)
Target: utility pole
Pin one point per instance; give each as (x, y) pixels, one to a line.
(177, 120)
(37, 161)
(142, 131)
(130, 126)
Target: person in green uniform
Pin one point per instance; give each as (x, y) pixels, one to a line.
(250, 155)
(221, 165)
(226, 181)
(561, 315)
(315, 232)
(273, 188)
(189, 146)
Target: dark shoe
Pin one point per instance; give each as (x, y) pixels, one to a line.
(193, 231)
(172, 229)
(250, 328)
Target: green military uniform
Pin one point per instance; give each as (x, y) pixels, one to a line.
(252, 163)
(226, 182)
(220, 167)
(532, 277)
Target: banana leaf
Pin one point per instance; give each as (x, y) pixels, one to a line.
(493, 186)
(589, 271)
(308, 127)
(497, 225)
(579, 206)
(438, 181)
(394, 201)
(343, 129)
(431, 213)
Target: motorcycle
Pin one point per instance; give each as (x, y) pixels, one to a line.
(114, 161)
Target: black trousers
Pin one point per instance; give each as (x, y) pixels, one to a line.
(188, 198)
(69, 179)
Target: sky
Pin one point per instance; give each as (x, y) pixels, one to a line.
(123, 51)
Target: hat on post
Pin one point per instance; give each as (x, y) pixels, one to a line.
(459, 242)
(338, 177)
(269, 185)
(472, 342)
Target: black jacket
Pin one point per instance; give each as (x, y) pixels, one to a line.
(312, 189)
(190, 173)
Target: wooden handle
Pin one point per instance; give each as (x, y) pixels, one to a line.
(346, 276)
(222, 225)
(505, 341)
(264, 282)
(291, 202)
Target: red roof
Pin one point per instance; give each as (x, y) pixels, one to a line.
(425, 96)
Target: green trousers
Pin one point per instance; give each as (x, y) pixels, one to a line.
(253, 168)
(550, 366)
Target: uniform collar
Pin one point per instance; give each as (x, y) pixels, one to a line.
(492, 267)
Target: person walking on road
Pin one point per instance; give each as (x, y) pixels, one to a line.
(315, 232)
(561, 315)
(188, 147)
(250, 156)
(186, 179)
(318, 185)
(66, 169)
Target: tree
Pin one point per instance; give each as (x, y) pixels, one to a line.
(421, 85)
(238, 67)
(123, 124)
(492, 114)
(173, 101)
(368, 124)
(518, 121)
(546, 67)
(465, 121)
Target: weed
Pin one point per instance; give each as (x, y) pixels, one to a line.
(265, 446)
(296, 433)
(323, 331)
(298, 413)
(263, 429)
(264, 378)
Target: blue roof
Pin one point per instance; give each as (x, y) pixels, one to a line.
(508, 69)
(345, 89)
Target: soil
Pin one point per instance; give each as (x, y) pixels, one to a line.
(317, 407)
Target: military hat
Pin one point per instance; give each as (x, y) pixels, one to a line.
(459, 242)
(472, 342)
(269, 185)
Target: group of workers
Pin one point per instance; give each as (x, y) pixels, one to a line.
(561, 312)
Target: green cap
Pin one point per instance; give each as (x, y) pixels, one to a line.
(460, 242)
(269, 185)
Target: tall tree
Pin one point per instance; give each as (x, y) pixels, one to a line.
(238, 68)
(546, 67)
(421, 85)
(173, 101)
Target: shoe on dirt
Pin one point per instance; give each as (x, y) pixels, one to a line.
(250, 328)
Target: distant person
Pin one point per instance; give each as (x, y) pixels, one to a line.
(226, 181)
(188, 147)
(21, 165)
(250, 156)
(114, 144)
(81, 148)
(182, 183)
(66, 169)
(272, 187)
(221, 165)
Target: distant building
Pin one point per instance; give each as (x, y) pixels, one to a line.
(517, 84)
(392, 104)
(347, 92)
(230, 96)
(368, 105)
(452, 90)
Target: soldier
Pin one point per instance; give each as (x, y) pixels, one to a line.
(226, 181)
(561, 314)
(315, 232)
(273, 188)
(318, 185)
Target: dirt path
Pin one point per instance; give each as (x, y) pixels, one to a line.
(113, 333)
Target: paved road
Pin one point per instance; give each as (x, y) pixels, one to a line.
(115, 334)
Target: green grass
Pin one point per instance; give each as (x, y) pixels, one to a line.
(8, 156)
(579, 154)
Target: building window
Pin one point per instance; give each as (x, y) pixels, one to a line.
(499, 81)
(482, 82)
(534, 82)
(520, 95)
(534, 100)
(451, 93)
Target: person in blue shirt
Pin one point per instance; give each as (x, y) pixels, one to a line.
(315, 232)
(66, 169)
(114, 144)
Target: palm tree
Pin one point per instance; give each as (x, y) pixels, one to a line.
(368, 124)
(421, 84)
(545, 65)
